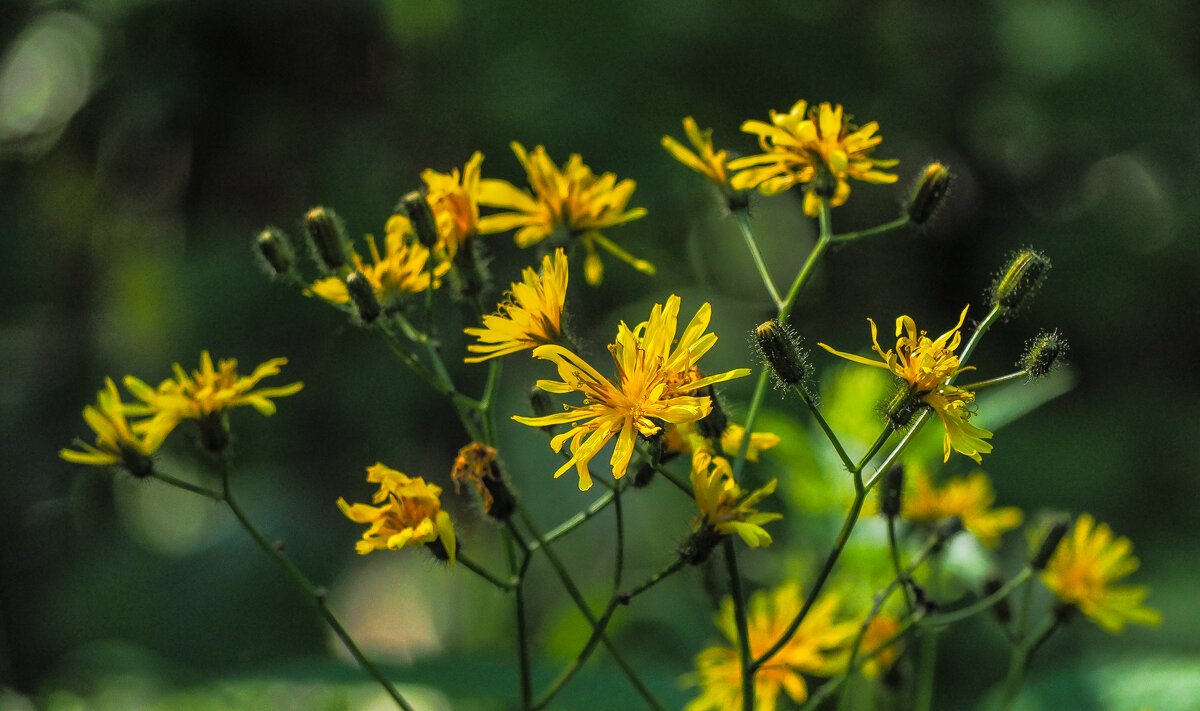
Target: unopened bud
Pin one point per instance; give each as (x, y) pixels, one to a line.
(503, 502)
(643, 474)
(712, 425)
(362, 293)
(416, 207)
(539, 401)
(327, 237)
(699, 546)
(1001, 610)
(1043, 354)
(893, 487)
(927, 195)
(275, 250)
(779, 347)
(1054, 536)
(1024, 274)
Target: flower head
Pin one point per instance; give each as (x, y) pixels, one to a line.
(818, 648)
(816, 147)
(531, 315)
(474, 464)
(724, 506)
(400, 271)
(882, 629)
(571, 198)
(705, 161)
(454, 197)
(118, 441)
(970, 498)
(653, 387)
(1082, 571)
(409, 511)
(684, 438)
(926, 366)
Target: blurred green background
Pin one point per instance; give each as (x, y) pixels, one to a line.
(143, 144)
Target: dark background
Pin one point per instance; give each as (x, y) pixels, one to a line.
(142, 145)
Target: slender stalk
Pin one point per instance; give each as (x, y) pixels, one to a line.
(483, 573)
(891, 457)
(574, 522)
(901, 578)
(743, 221)
(1022, 656)
(814, 702)
(523, 666)
(739, 618)
(993, 315)
(996, 381)
(181, 484)
(878, 445)
(655, 579)
(895, 224)
(317, 594)
(926, 667)
(580, 659)
(947, 618)
(619, 555)
(837, 445)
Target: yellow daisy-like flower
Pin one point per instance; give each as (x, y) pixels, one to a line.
(724, 506)
(454, 200)
(400, 271)
(653, 388)
(817, 648)
(571, 198)
(970, 498)
(684, 438)
(926, 365)
(880, 630)
(705, 161)
(410, 512)
(1082, 571)
(118, 441)
(816, 147)
(530, 317)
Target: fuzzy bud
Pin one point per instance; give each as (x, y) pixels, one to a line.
(137, 464)
(327, 237)
(415, 206)
(893, 487)
(362, 293)
(1043, 354)
(712, 425)
(643, 474)
(539, 401)
(902, 406)
(928, 194)
(779, 347)
(1025, 273)
(1001, 610)
(699, 546)
(275, 250)
(1054, 535)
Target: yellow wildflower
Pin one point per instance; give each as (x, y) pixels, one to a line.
(817, 147)
(724, 506)
(454, 200)
(531, 315)
(652, 387)
(117, 441)
(970, 498)
(475, 462)
(571, 198)
(411, 512)
(684, 438)
(927, 366)
(880, 630)
(400, 271)
(1083, 568)
(817, 648)
(704, 160)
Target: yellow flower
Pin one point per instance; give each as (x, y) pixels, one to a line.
(704, 161)
(1083, 568)
(411, 512)
(818, 648)
(814, 147)
(531, 315)
(684, 438)
(454, 200)
(402, 269)
(926, 365)
(475, 462)
(571, 198)
(880, 630)
(652, 387)
(970, 498)
(117, 441)
(721, 503)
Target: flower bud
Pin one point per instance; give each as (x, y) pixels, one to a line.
(1058, 529)
(1024, 274)
(327, 237)
(927, 195)
(712, 425)
(893, 486)
(1001, 610)
(699, 546)
(1043, 354)
(275, 251)
(415, 206)
(643, 474)
(137, 464)
(539, 401)
(902, 406)
(779, 347)
(362, 293)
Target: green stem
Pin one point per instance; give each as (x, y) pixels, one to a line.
(655, 579)
(1022, 656)
(827, 689)
(901, 578)
(743, 632)
(812, 406)
(180, 483)
(878, 445)
(619, 555)
(523, 665)
(317, 594)
(995, 381)
(580, 659)
(873, 231)
(574, 522)
(926, 667)
(483, 573)
(948, 618)
(743, 220)
(993, 315)
(891, 457)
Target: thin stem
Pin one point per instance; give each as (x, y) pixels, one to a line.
(523, 665)
(574, 522)
(901, 578)
(926, 666)
(619, 562)
(891, 457)
(483, 573)
(947, 618)
(180, 483)
(1022, 656)
(317, 594)
(743, 631)
(895, 224)
(743, 220)
(996, 312)
(827, 689)
(580, 659)
(655, 579)
(996, 381)
(837, 445)
(878, 445)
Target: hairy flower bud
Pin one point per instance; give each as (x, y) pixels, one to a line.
(1054, 535)
(893, 486)
(712, 425)
(1001, 610)
(1025, 273)
(327, 238)
(902, 406)
(779, 347)
(275, 250)
(928, 194)
(1043, 354)
(415, 206)
(362, 293)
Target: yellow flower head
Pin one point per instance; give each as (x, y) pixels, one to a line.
(684, 438)
(704, 160)
(652, 388)
(816, 147)
(400, 271)
(474, 464)
(818, 648)
(970, 498)
(408, 511)
(926, 365)
(724, 506)
(880, 630)
(530, 317)
(454, 199)
(571, 198)
(209, 390)
(1083, 568)
(117, 441)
